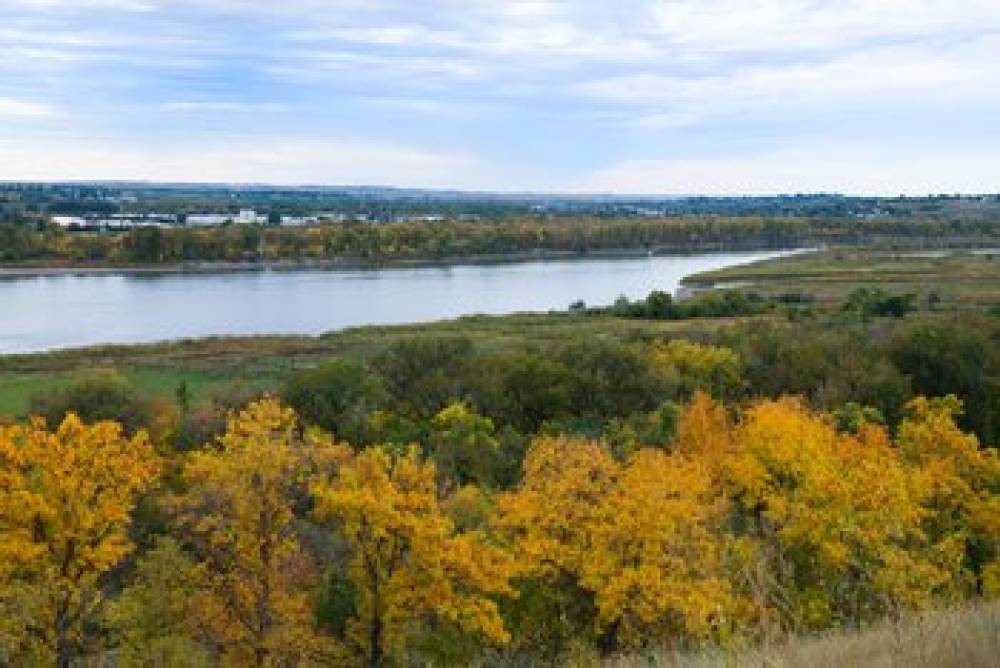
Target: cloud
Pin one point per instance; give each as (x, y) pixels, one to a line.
(26, 109)
(540, 89)
(283, 161)
(821, 168)
(221, 107)
(810, 25)
(88, 5)
(885, 80)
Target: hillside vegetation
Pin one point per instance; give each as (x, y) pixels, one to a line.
(697, 486)
(737, 478)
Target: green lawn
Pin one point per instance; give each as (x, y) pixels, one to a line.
(17, 388)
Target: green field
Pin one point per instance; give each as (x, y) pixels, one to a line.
(158, 369)
(961, 279)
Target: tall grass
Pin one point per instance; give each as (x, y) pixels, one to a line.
(963, 637)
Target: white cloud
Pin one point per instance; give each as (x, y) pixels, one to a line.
(640, 79)
(88, 5)
(221, 107)
(780, 25)
(884, 79)
(26, 108)
(281, 161)
(851, 170)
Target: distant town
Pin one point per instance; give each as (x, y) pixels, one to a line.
(128, 221)
(116, 206)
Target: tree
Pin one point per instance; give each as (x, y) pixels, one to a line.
(338, 396)
(94, 395)
(866, 302)
(548, 520)
(686, 367)
(463, 447)
(66, 499)
(626, 553)
(704, 431)
(832, 522)
(607, 379)
(154, 621)
(424, 374)
(944, 358)
(660, 306)
(238, 510)
(408, 561)
(655, 559)
(959, 480)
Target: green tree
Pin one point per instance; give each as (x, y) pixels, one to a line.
(337, 396)
(463, 446)
(94, 395)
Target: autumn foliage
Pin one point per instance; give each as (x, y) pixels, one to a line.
(276, 545)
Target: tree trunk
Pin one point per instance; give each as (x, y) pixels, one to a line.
(375, 655)
(62, 641)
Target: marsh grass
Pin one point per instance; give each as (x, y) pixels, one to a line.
(960, 279)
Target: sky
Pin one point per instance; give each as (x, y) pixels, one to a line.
(617, 96)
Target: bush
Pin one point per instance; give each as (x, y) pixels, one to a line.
(95, 395)
(866, 303)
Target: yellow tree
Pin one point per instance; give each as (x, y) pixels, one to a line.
(654, 562)
(66, 499)
(704, 431)
(834, 520)
(238, 512)
(631, 550)
(409, 562)
(549, 521)
(960, 481)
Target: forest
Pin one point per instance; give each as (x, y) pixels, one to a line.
(452, 239)
(441, 500)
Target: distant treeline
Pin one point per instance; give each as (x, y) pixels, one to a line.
(25, 201)
(386, 242)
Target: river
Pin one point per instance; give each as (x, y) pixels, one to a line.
(62, 311)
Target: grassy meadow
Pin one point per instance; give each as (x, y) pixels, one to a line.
(961, 279)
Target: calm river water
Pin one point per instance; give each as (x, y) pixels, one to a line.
(50, 312)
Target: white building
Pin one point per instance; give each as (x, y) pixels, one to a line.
(250, 216)
(206, 219)
(244, 217)
(69, 221)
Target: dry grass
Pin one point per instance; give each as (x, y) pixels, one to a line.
(963, 638)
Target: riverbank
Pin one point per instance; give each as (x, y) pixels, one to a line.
(354, 263)
(53, 313)
(357, 263)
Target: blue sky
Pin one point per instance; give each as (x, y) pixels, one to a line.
(627, 96)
